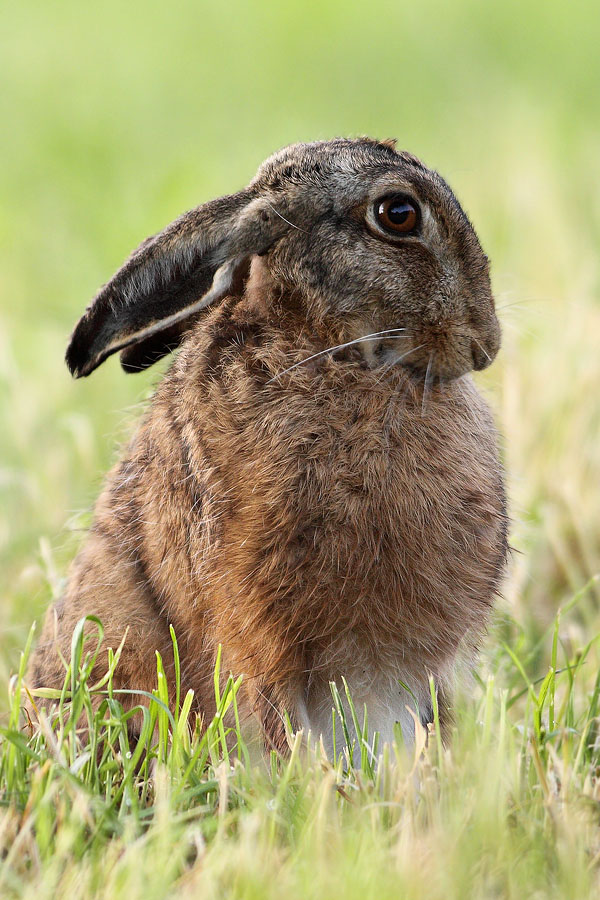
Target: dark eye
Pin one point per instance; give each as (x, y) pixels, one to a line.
(397, 214)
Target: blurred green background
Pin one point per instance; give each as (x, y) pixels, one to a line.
(118, 116)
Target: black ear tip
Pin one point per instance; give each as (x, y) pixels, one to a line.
(73, 359)
(77, 356)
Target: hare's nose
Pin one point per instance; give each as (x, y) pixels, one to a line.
(485, 343)
(481, 358)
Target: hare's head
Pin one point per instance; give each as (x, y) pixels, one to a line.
(367, 239)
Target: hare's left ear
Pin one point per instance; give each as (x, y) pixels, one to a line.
(197, 260)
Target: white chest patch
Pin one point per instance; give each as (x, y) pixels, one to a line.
(382, 694)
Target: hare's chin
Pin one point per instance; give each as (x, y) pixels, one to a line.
(434, 356)
(421, 370)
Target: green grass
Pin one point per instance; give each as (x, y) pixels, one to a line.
(511, 808)
(115, 119)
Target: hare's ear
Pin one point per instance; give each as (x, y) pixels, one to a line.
(194, 262)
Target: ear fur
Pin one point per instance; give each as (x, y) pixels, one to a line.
(145, 309)
(144, 353)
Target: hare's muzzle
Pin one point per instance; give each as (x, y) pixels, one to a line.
(447, 350)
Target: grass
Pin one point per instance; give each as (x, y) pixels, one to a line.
(119, 117)
(511, 808)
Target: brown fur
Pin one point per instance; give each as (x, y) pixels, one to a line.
(337, 515)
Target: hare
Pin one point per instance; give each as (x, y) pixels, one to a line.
(316, 484)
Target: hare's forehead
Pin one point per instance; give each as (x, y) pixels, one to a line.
(346, 172)
(323, 159)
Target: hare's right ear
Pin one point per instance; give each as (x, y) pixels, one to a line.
(195, 261)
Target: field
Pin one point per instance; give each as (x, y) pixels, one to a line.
(118, 117)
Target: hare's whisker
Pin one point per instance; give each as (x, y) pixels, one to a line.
(427, 386)
(522, 302)
(399, 360)
(519, 329)
(366, 337)
(277, 213)
(481, 347)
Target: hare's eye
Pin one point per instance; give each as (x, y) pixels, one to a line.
(398, 215)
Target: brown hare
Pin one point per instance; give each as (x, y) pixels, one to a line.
(316, 484)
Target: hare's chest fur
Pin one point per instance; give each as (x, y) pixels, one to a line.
(375, 502)
(367, 532)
